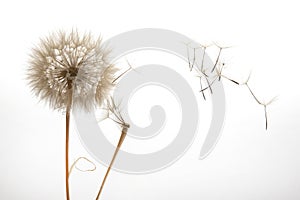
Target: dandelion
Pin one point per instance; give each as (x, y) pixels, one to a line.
(114, 113)
(64, 70)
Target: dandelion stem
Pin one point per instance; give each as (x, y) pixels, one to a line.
(67, 153)
(122, 137)
(67, 141)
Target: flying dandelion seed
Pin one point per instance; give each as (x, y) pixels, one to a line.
(65, 69)
(218, 69)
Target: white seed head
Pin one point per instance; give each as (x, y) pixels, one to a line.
(69, 63)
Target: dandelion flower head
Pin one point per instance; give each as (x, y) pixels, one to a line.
(69, 69)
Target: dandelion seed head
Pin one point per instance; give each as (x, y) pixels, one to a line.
(65, 63)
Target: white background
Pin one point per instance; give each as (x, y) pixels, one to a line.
(248, 162)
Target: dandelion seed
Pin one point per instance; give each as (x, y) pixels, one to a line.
(203, 55)
(123, 73)
(218, 67)
(64, 70)
(219, 55)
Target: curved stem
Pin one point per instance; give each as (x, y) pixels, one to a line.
(76, 161)
(122, 137)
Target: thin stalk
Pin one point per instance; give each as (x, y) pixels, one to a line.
(202, 89)
(122, 137)
(209, 85)
(252, 93)
(203, 56)
(194, 60)
(67, 153)
(266, 116)
(188, 55)
(67, 142)
(220, 50)
(121, 75)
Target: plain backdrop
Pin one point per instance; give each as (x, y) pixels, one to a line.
(247, 163)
